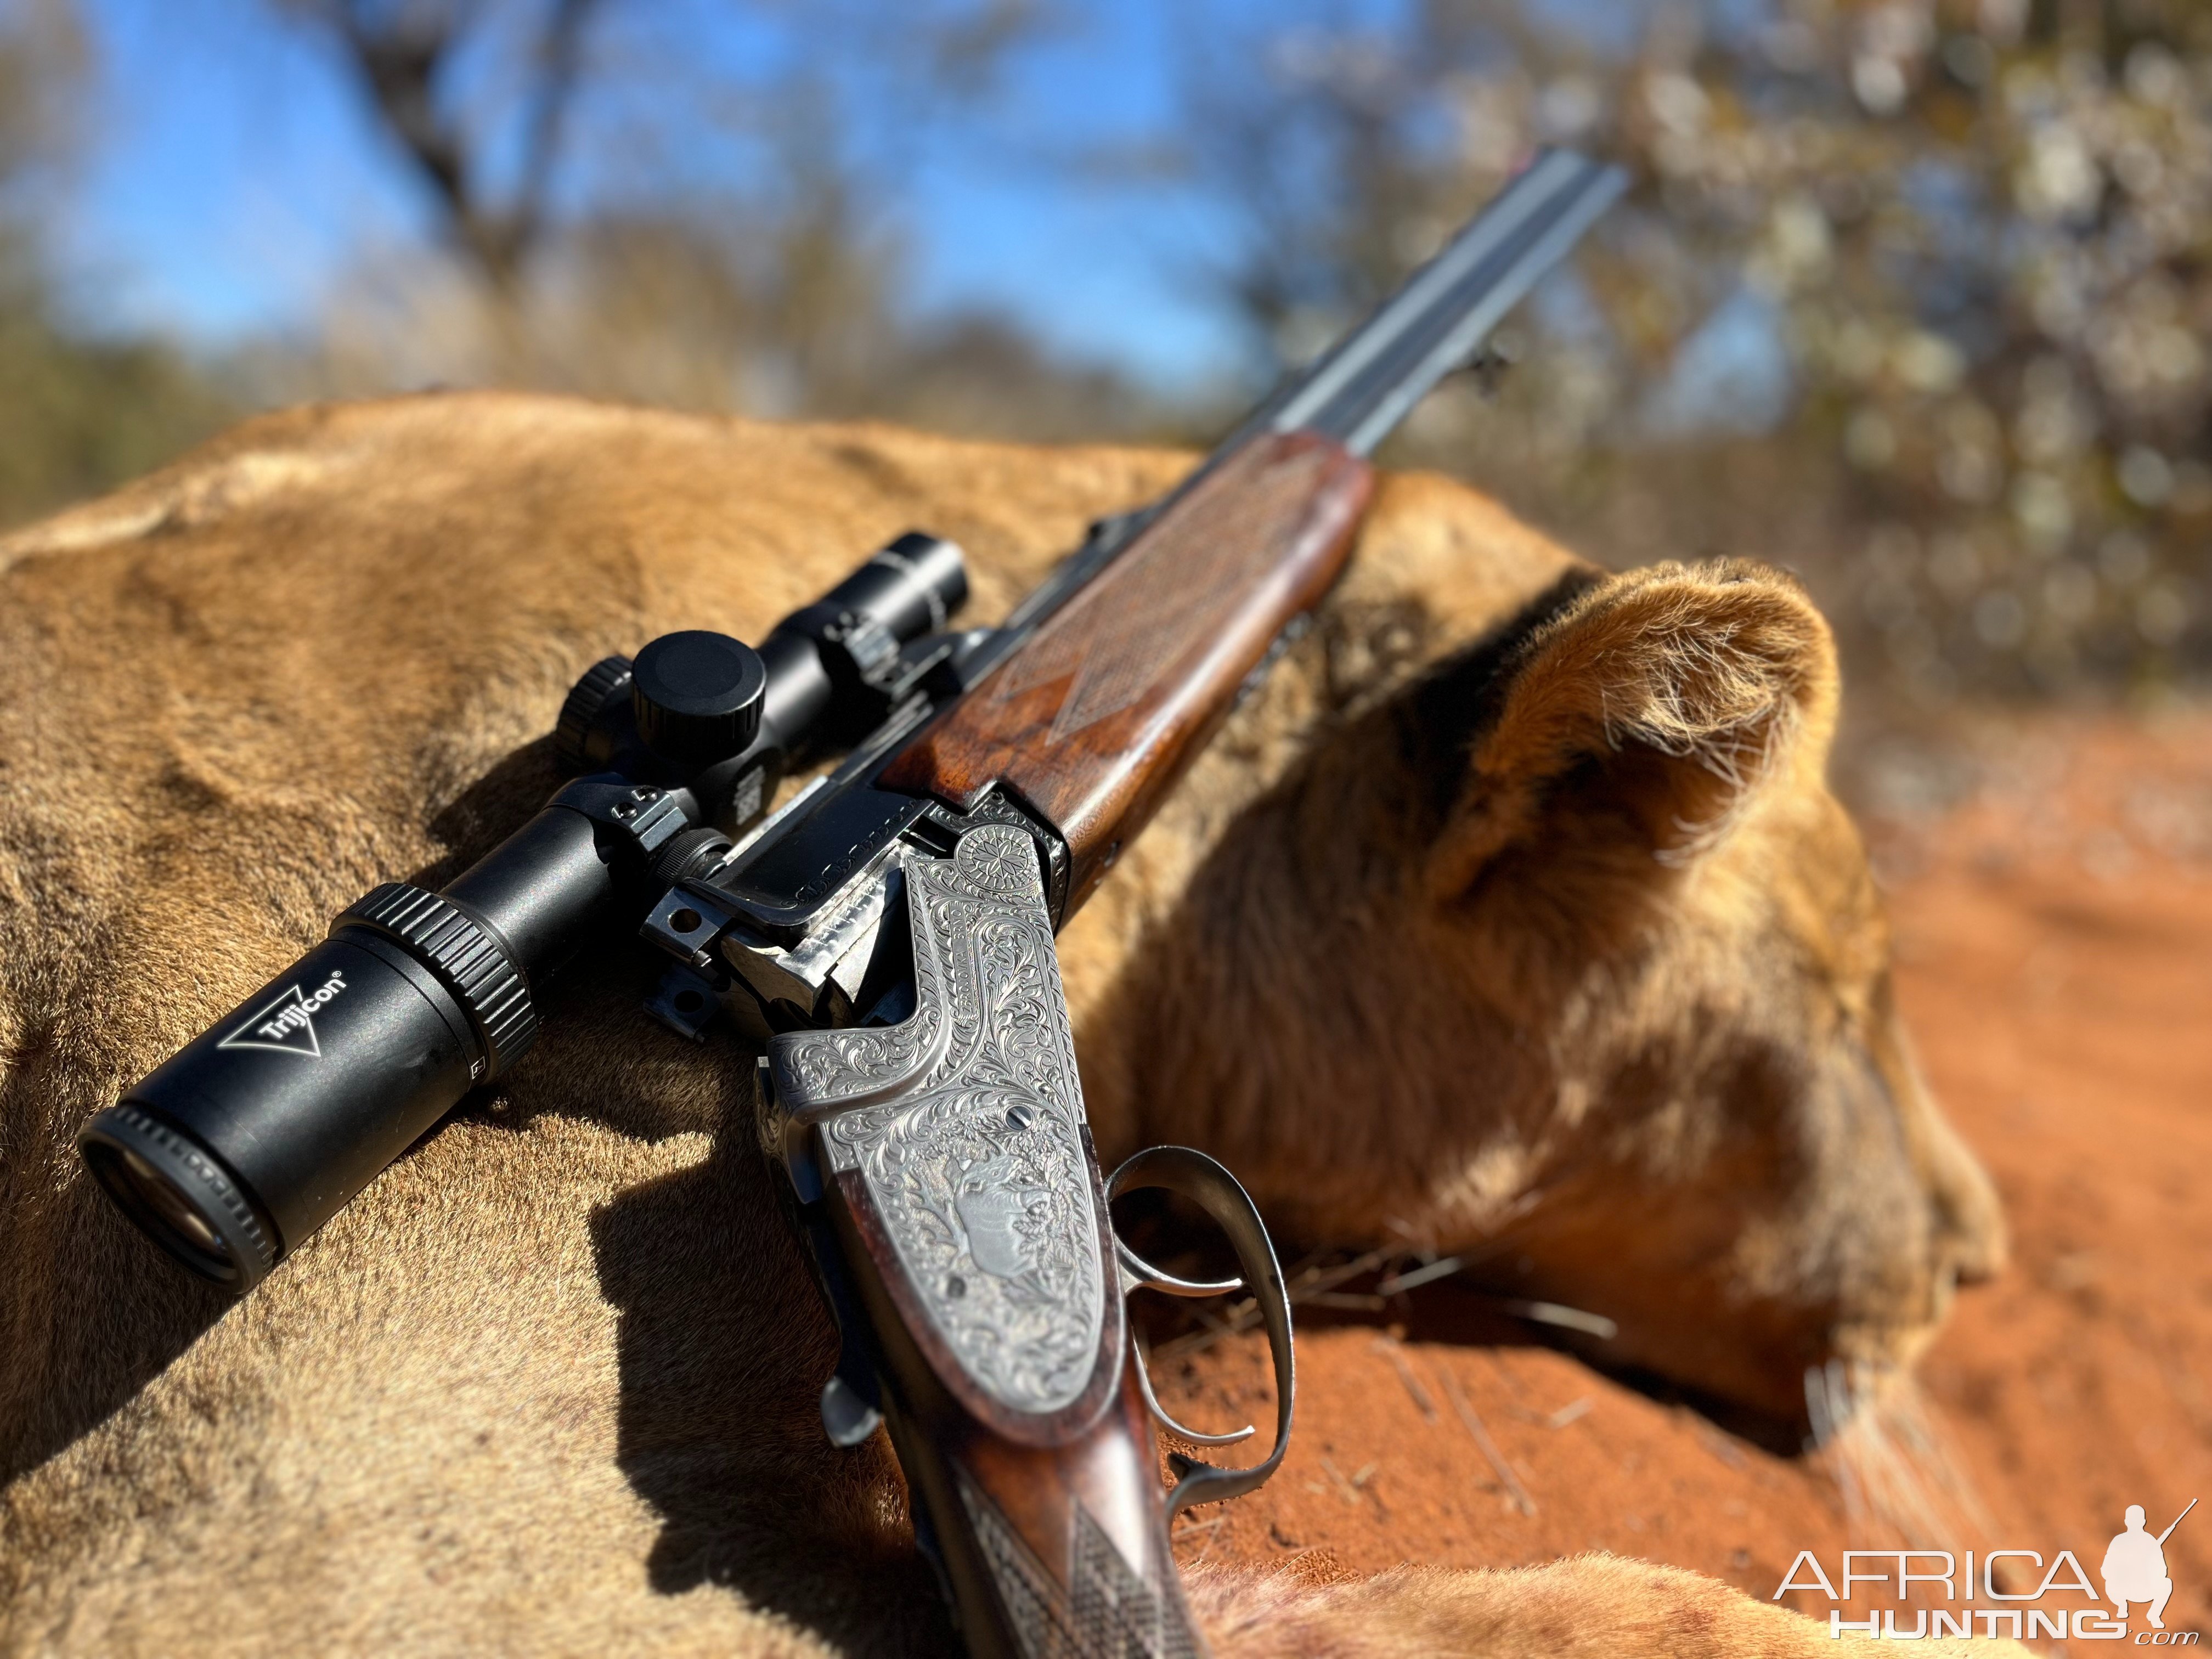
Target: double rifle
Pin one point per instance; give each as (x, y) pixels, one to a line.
(888, 931)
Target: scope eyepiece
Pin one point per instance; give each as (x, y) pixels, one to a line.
(179, 1195)
(839, 663)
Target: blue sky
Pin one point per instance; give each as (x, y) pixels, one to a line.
(234, 175)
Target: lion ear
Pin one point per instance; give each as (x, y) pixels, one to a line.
(1639, 724)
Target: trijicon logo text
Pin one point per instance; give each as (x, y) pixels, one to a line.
(287, 1023)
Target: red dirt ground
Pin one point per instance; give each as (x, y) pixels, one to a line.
(2053, 916)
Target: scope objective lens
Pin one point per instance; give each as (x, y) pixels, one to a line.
(172, 1209)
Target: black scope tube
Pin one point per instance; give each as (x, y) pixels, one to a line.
(256, 1131)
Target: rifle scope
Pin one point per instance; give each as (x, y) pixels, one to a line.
(262, 1128)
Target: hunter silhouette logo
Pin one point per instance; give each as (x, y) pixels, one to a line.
(287, 1024)
(2135, 1566)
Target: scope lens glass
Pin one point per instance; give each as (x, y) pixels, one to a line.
(171, 1215)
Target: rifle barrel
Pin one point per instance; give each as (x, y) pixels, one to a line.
(2177, 1520)
(1368, 381)
(1365, 383)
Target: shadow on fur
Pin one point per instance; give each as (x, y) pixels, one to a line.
(119, 1310)
(721, 1434)
(491, 808)
(117, 1297)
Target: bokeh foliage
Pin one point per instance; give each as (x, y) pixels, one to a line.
(1910, 295)
(1974, 233)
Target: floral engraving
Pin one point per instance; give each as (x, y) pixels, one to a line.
(966, 1121)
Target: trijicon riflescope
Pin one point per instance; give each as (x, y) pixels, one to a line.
(262, 1128)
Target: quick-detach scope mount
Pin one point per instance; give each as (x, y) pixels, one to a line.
(255, 1133)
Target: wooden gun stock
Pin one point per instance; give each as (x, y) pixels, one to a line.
(1101, 710)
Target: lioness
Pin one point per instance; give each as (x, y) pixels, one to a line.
(1512, 917)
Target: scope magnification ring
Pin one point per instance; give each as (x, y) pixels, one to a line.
(444, 939)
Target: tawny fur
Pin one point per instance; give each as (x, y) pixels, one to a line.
(1587, 1607)
(1514, 913)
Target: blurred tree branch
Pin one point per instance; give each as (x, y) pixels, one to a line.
(42, 67)
(404, 52)
(640, 211)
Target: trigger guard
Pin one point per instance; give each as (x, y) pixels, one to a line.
(1192, 1174)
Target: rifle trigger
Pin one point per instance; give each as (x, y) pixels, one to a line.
(1160, 1416)
(1139, 1274)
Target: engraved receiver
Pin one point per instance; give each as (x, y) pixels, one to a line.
(889, 932)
